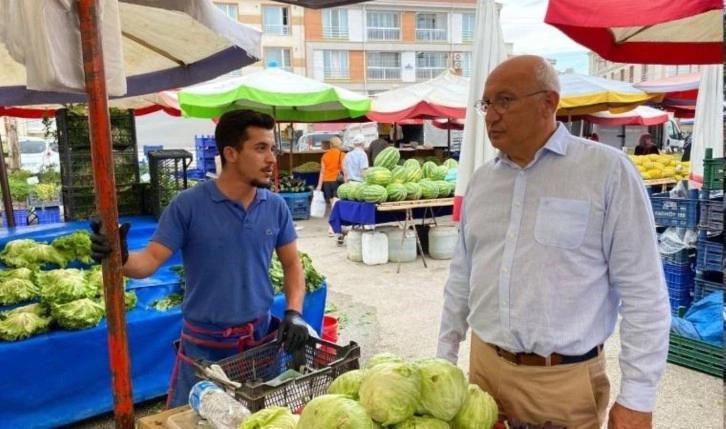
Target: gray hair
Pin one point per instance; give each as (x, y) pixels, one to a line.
(547, 77)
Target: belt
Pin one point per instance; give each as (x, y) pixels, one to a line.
(532, 359)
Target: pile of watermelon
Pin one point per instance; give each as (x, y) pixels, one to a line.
(389, 179)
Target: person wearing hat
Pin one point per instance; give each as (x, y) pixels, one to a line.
(356, 161)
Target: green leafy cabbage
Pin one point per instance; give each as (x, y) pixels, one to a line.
(347, 384)
(130, 300)
(61, 286)
(18, 273)
(383, 358)
(13, 291)
(12, 254)
(443, 387)
(75, 247)
(479, 410)
(334, 412)
(79, 314)
(390, 392)
(36, 308)
(270, 418)
(20, 325)
(418, 422)
(28, 253)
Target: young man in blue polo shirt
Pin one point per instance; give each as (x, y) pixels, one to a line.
(226, 230)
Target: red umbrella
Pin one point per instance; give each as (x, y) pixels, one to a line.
(641, 115)
(644, 32)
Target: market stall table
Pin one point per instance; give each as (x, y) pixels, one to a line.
(62, 377)
(360, 213)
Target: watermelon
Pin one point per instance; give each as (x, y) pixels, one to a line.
(413, 191)
(396, 192)
(412, 163)
(445, 188)
(429, 169)
(388, 158)
(439, 172)
(451, 163)
(378, 176)
(344, 191)
(373, 194)
(413, 174)
(398, 175)
(429, 190)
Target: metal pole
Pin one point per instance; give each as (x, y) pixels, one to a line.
(105, 184)
(276, 167)
(5, 186)
(448, 138)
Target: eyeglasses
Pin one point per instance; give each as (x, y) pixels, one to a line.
(500, 104)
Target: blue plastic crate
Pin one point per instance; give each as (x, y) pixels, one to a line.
(151, 148)
(206, 165)
(680, 212)
(196, 174)
(704, 287)
(313, 307)
(46, 215)
(207, 153)
(711, 213)
(298, 203)
(205, 142)
(710, 254)
(679, 278)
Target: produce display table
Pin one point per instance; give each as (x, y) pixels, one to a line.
(63, 377)
(357, 213)
(663, 184)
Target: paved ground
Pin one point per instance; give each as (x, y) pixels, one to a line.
(399, 313)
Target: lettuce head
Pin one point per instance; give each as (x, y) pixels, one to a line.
(347, 384)
(390, 392)
(61, 286)
(479, 410)
(21, 325)
(270, 418)
(383, 358)
(80, 314)
(443, 387)
(13, 291)
(334, 412)
(418, 422)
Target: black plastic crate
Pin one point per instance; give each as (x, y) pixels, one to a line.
(77, 168)
(168, 172)
(80, 203)
(320, 362)
(711, 208)
(73, 130)
(710, 253)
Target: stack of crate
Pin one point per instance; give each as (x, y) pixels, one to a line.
(74, 148)
(168, 172)
(206, 150)
(710, 261)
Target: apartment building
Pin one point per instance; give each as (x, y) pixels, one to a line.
(283, 36)
(636, 73)
(378, 45)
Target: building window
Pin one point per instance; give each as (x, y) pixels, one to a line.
(383, 25)
(276, 21)
(468, 27)
(229, 9)
(643, 72)
(384, 65)
(278, 57)
(335, 65)
(430, 64)
(431, 27)
(622, 75)
(335, 24)
(632, 74)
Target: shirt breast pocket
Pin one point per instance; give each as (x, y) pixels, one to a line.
(561, 222)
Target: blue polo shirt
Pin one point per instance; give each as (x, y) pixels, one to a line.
(226, 250)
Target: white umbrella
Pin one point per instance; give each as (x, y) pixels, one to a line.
(641, 115)
(708, 124)
(476, 149)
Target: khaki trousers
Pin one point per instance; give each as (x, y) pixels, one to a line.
(572, 395)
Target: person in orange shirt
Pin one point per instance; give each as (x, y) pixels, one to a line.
(332, 173)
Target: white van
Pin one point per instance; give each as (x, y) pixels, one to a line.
(36, 153)
(667, 136)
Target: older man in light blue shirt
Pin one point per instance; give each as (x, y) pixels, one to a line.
(557, 237)
(356, 161)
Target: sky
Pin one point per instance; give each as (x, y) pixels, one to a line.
(523, 24)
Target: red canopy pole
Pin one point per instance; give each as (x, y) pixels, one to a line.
(105, 183)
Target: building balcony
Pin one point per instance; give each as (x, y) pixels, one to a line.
(384, 73)
(384, 33)
(467, 35)
(277, 30)
(427, 73)
(336, 73)
(431, 34)
(335, 33)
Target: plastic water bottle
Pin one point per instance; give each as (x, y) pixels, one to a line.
(216, 406)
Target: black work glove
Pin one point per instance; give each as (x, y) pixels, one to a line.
(101, 248)
(293, 331)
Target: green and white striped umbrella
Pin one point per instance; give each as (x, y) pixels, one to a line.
(287, 96)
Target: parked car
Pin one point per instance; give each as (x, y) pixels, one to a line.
(314, 140)
(36, 153)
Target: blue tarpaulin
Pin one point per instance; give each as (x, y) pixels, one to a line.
(62, 377)
(358, 213)
(704, 321)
